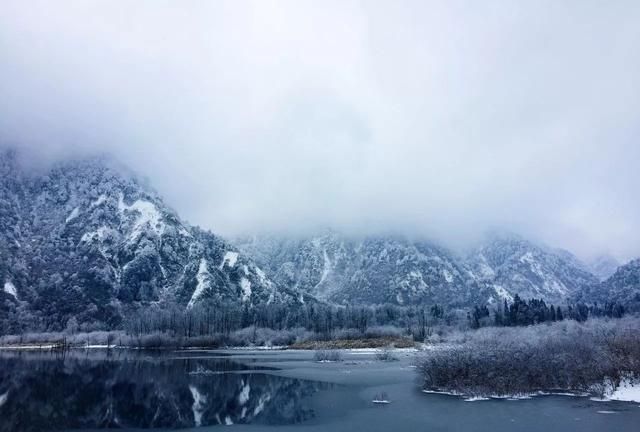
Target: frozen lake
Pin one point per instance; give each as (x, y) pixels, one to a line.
(264, 390)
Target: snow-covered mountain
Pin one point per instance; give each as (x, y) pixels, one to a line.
(393, 269)
(90, 241)
(87, 239)
(513, 265)
(366, 270)
(622, 287)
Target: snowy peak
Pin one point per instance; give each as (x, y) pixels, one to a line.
(512, 265)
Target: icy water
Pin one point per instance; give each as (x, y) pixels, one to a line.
(255, 391)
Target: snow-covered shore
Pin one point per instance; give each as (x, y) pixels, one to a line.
(627, 391)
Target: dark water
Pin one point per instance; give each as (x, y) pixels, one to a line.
(257, 391)
(125, 390)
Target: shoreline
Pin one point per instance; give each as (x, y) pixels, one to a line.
(627, 391)
(90, 341)
(295, 347)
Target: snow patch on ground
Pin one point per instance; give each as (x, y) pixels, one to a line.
(261, 275)
(326, 269)
(74, 214)
(148, 216)
(246, 288)
(229, 259)
(476, 398)
(199, 402)
(627, 391)
(203, 282)
(10, 289)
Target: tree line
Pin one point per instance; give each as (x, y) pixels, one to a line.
(319, 318)
(521, 312)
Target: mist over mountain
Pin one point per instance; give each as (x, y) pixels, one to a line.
(410, 117)
(603, 266)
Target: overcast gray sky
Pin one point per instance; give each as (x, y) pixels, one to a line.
(442, 118)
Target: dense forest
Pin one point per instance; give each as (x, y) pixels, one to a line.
(279, 324)
(535, 311)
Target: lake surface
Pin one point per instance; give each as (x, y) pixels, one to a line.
(93, 390)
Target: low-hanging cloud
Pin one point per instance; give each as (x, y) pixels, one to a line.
(439, 118)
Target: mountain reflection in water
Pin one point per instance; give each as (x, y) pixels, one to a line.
(78, 390)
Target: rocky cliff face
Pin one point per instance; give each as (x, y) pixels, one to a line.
(88, 240)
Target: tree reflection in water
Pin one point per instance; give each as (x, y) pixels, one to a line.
(78, 390)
